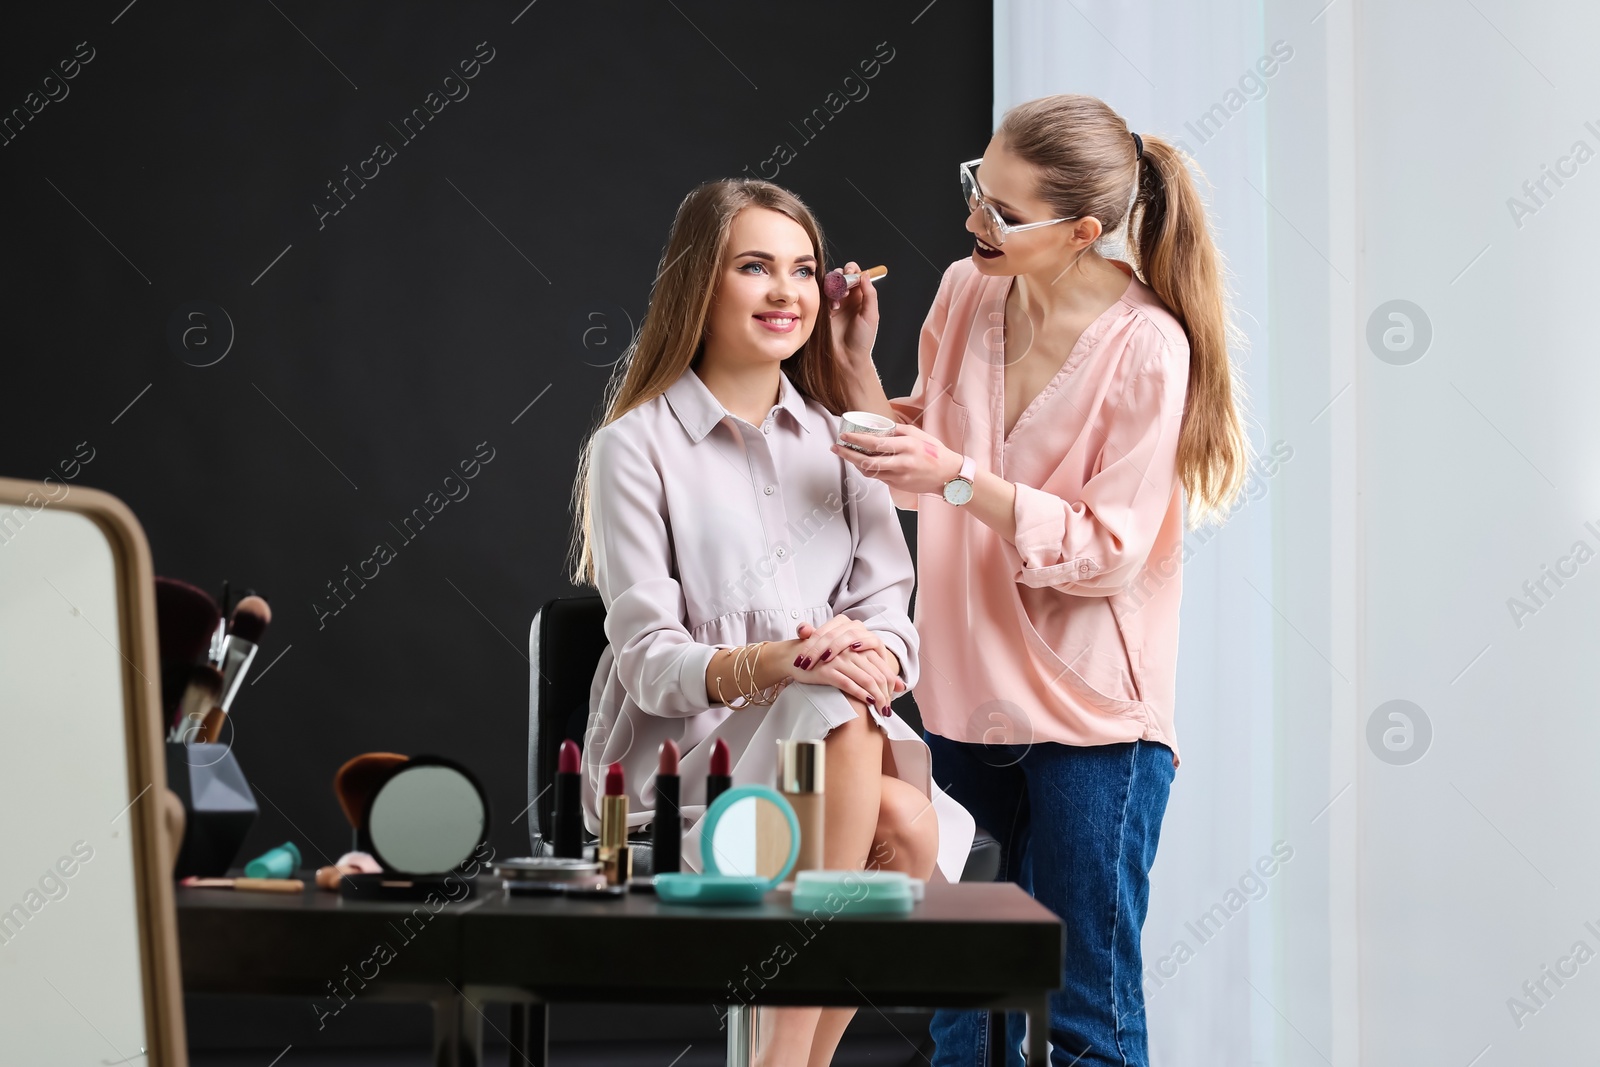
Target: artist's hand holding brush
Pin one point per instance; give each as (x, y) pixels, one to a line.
(854, 322)
(854, 318)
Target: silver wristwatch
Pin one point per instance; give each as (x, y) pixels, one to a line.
(958, 490)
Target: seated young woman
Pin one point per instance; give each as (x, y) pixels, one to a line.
(718, 527)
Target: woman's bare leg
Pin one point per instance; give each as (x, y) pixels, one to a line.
(853, 768)
(906, 839)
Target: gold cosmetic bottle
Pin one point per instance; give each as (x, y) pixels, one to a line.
(616, 858)
(800, 780)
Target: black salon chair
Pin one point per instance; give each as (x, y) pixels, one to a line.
(564, 648)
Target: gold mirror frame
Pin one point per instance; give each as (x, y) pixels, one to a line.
(158, 826)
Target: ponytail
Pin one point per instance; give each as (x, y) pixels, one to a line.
(1182, 266)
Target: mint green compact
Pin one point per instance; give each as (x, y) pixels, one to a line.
(749, 842)
(854, 892)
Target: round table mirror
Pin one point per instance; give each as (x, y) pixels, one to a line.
(427, 818)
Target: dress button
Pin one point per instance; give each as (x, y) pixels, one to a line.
(781, 553)
(1083, 568)
(794, 614)
(769, 490)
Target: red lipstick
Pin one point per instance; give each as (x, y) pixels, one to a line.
(667, 834)
(719, 777)
(568, 829)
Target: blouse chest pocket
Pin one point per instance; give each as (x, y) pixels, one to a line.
(947, 418)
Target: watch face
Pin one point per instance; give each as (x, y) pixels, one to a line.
(958, 491)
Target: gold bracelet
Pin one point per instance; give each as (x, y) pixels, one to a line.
(721, 696)
(746, 661)
(747, 654)
(770, 694)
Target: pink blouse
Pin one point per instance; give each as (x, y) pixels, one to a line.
(1070, 634)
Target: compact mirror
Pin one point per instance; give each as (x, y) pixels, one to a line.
(752, 839)
(749, 842)
(750, 832)
(428, 817)
(88, 952)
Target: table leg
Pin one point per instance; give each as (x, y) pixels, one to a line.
(1037, 1054)
(741, 1024)
(457, 1033)
(530, 1029)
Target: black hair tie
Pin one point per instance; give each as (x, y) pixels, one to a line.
(1138, 146)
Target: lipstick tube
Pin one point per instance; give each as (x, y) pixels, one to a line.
(667, 836)
(719, 779)
(800, 780)
(567, 814)
(616, 858)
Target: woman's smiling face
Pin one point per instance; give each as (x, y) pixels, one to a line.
(767, 298)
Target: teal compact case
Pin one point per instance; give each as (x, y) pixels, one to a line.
(856, 892)
(717, 886)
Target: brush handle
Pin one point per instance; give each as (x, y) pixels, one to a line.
(270, 885)
(872, 272)
(237, 655)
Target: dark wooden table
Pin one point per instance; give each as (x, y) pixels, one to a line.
(973, 945)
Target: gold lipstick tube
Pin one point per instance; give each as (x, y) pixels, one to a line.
(616, 858)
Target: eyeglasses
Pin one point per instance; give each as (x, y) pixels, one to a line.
(996, 228)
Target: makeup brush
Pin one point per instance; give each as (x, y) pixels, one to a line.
(567, 837)
(667, 826)
(719, 776)
(358, 779)
(186, 618)
(249, 622)
(200, 697)
(836, 283)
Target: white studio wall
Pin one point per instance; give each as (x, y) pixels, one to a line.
(1403, 198)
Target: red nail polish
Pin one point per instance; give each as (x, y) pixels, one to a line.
(827, 655)
(856, 646)
(805, 663)
(797, 660)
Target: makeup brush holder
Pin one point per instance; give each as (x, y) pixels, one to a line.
(218, 806)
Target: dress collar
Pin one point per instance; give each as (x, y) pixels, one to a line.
(699, 410)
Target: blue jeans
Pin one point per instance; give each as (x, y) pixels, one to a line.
(1077, 828)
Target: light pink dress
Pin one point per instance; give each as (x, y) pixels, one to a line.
(710, 533)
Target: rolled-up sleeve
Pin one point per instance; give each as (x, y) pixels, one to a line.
(1094, 545)
(877, 590)
(909, 409)
(658, 662)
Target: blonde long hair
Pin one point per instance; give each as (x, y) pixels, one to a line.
(672, 337)
(1088, 165)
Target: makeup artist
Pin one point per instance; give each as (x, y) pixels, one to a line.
(1064, 405)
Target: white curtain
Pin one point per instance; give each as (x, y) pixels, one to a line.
(1387, 669)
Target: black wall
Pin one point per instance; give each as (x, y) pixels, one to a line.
(495, 262)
